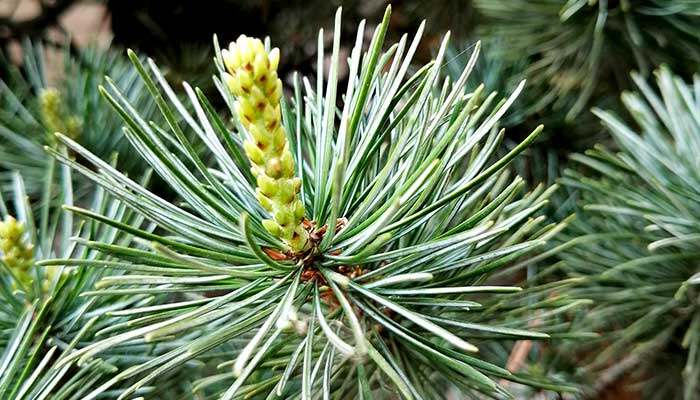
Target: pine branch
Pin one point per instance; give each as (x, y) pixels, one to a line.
(409, 213)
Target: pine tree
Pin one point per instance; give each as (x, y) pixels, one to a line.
(369, 231)
(345, 250)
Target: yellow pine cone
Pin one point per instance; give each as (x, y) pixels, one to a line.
(17, 255)
(54, 116)
(252, 79)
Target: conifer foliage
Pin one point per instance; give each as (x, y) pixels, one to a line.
(580, 51)
(34, 104)
(406, 212)
(360, 233)
(636, 241)
(43, 315)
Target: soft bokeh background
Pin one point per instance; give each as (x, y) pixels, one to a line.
(178, 34)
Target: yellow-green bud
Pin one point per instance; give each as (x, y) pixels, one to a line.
(55, 117)
(273, 168)
(254, 153)
(286, 192)
(16, 254)
(73, 126)
(264, 200)
(287, 166)
(267, 185)
(272, 227)
(284, 217)
(252, 78)
(298, 209)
